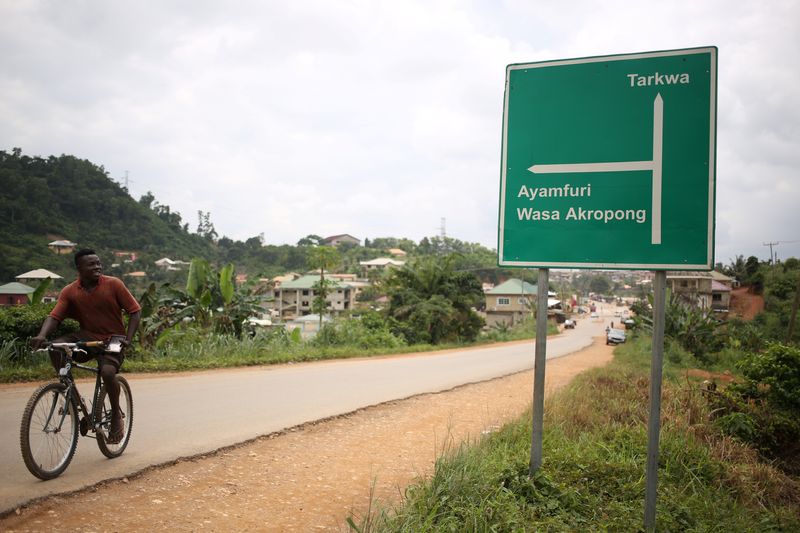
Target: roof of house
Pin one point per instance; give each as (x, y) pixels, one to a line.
(16, 288)
(382, 261)
(716, 286)
(719, 276)
(62, 243)
(39, 273)
(398, 252)
(307, 282)
(289, 276)
(310, 318)
(514, 286)
(688, 274)
(336, 237)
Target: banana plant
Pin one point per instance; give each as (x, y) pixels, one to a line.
(36, 296)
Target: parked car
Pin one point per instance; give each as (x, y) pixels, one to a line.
(594, 315)
(569, 324)
(615, 336)
(629, 323)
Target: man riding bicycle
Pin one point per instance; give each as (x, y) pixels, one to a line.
(96, 302)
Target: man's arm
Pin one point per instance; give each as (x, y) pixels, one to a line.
(49, 326)
(133, 325)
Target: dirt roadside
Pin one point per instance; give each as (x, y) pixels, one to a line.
(305, 479)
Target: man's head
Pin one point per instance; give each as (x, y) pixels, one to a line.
(88, 264)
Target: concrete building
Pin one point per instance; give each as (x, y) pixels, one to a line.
(510, 302)
(294, 298)
(695, 288)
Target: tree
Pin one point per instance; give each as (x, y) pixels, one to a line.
(599, 285)
(433, 302)
(310, 240)
(205, 227)
(322, 258)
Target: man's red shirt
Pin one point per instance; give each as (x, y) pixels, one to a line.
(99, 312)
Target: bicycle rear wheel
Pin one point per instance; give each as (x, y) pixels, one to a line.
(49, 431)
(109, 449)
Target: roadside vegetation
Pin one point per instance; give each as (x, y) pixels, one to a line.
(594, 462)
(204, 323)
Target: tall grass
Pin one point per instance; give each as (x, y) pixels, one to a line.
(593, 476)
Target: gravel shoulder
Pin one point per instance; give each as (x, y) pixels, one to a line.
(308, 478)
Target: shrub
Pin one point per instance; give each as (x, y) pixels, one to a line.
(762, 409)
(369, 333)
(18, 323)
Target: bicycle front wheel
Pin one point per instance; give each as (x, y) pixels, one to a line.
(49, 431)
(103, 411)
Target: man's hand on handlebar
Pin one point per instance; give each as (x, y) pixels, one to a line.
(37, 341)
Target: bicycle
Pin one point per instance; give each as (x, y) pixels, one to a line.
(50, 422)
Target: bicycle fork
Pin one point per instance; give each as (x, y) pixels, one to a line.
(63, 410)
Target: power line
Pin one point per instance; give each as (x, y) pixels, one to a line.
(773, 258)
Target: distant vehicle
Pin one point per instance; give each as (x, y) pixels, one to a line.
(594, 315)
(569, 324)
(629, 323)
(615, 336)
(617, 313)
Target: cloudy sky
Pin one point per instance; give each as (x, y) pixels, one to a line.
(368, 117)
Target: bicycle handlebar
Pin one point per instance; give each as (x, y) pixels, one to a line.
(71, 346)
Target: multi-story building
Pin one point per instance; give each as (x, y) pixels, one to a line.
(294, 298)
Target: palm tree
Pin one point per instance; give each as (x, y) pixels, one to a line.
(322, 258)
(434, 300)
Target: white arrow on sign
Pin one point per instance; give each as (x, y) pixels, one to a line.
(624, 166)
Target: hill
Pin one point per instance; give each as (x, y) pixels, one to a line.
(46, 199)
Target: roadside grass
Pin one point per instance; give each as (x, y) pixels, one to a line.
(200, 351)
(593, 476)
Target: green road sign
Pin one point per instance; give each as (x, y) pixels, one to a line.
(609, 162)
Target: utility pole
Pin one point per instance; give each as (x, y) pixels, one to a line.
(771, 244)
(794, 313)
(443, 229)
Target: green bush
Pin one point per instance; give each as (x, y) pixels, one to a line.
(762, 409)
(773, 375)
(368, 332)
(18, 323)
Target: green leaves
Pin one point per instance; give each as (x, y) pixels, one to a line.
(433, 302)
(211, 300)
(226, 285)
(38, 294)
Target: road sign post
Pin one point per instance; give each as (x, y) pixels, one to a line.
(540, 360)
(609, 163)
(654, 423)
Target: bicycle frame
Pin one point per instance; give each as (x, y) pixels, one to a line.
(73, 395)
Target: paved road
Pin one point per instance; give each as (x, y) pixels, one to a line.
(184, 415)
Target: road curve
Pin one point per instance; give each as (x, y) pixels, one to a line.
(188, 414)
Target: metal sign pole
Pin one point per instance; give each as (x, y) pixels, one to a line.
(654, 424)
(538, 370)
